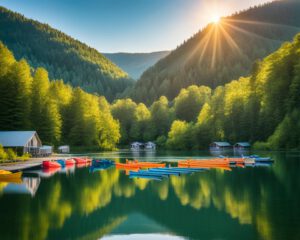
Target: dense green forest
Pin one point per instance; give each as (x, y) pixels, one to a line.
(221, 52)
(58, 112)
(263, 108)
(62, 56)
(136, 63)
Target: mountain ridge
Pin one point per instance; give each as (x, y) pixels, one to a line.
(136, 63)
(63, 56)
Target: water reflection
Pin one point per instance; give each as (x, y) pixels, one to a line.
(250, 203)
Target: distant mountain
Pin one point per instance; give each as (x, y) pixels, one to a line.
(64, 57)
(136, 63)
(221, 52)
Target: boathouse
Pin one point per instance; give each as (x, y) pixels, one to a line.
(64, 149)
(242, 146)
(220, 145)
(20, 141)
(136, 146)
(150, 145)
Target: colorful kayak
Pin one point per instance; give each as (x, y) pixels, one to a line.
(81, 160)
(61, 162)
(102, 162)
(70, 162)
(7, 176)
(140, 165)
(147, 177)
(51, 164)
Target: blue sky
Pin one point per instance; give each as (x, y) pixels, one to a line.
(128, 25)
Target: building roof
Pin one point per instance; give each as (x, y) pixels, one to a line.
(243, 144)
(15, 138)
(222, 144)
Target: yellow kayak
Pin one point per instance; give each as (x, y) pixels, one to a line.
(9, 176)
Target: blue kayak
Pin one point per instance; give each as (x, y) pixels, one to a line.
(61, 162)
(146, 173)
(102, 162)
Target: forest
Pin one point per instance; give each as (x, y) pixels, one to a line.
(58, 112)
(262, 108)
(62, 56)
(221, 52)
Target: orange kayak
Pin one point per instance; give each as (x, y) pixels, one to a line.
(224, 167)
(136, 164)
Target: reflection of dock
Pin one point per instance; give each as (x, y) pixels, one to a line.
(28, 186)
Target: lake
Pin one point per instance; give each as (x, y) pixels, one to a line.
(259, 202)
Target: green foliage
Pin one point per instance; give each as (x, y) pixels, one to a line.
(62, 56)
(125, 111)
(219, 53)
(53, 109)
(11, 155)
(179, 137)
(189, 102)
(3, 154)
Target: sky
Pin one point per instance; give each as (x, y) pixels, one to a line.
(128, 25)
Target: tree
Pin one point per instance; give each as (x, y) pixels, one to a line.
(189, 102)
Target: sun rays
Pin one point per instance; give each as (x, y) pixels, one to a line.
(220, 36)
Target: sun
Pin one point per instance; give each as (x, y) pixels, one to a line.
(215, 19)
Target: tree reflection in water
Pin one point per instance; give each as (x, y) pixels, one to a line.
(250, 203)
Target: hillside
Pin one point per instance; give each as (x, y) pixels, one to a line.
(136, 63)
(221, 52)
(63, 57)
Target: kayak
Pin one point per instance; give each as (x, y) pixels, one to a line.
(140, 165)
(145, 173)
(50, 164)
(9, 176)
(70, 162)
(81, 160)
(102, 162)
(61, 162)
(126, 166)
(149, 173)
(207, 166)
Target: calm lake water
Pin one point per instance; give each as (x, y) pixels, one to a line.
(245, 203)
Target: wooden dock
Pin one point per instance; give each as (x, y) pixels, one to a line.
(31, 163)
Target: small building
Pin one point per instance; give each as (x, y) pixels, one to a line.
(136, 146)
(150, 145)
(220, 145)
(242, 146)
(45, 151)
(64, 149)
(20, 141)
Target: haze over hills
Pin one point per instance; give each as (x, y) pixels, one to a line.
(64, 57)
(136, 63)
(222, 51)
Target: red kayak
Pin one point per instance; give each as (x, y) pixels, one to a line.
(81, 160)
(50, 164)
(70, 162)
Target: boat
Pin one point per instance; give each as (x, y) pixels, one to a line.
(146, 174)
(61, 162)
(70, 162)
(81, 160)
(144, 164)
(7, 176)
(51, 164)
(126, 166)
(102, 162)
